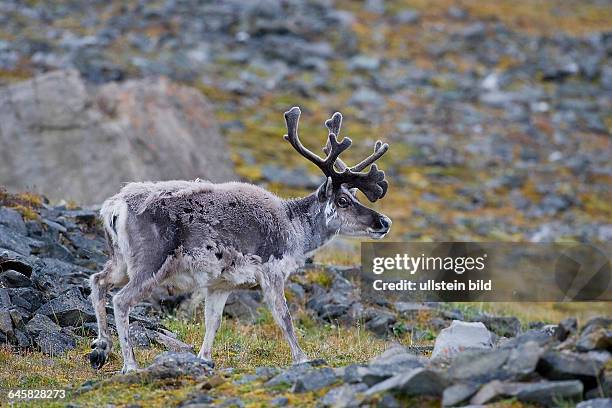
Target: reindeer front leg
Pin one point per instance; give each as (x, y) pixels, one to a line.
(273, 288)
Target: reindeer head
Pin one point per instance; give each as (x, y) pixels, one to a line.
(344, 213)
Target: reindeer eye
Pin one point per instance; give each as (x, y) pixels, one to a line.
(343, 202)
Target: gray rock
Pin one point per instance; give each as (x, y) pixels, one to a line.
(314, 380)
(566, 327)
(478, 365)
(474, 32)
(12, 260)
(544, 336)
(13, 220)
(290, 375)
(379, 321)
(420, 381)
(605, 390)
(172, 365)
(493, 391)
(549, 393)
(41, 323)
(54, 275)
(265, 373)
(365, 97)
(375, 6)
(243, 305)
(169, 342)
(6, 323)
(374, 374)
(201, 401)
(17, 242)
(54, 342)
(597, 339)
(5, 298)
(27, 298)
(21, 339)
(505, 326)
(14, 279)
(457, 13)
(458, 393)
(245, 379)
(298, 177)
(396, 355)
(329, 306)
(232, 403)
(596, 335)
(461, 336)
(297, 290)
(557, 365)
(392, 362)
(67, 130)
(523, 360)
(139, 335)
(596, 403)
(411, 309)
(279, 401)
(343, 396)
(606, 77)
(69, 309)
(408, 16)
(364, 63)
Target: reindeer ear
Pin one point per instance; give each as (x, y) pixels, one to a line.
(325, 190)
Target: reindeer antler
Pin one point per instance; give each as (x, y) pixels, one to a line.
(372, 183)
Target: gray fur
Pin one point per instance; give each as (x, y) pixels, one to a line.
(215, 238)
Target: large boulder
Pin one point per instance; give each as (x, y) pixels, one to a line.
(83, 142)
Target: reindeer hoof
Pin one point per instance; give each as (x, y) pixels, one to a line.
(128, 369)
(97, 358)
(99, 354)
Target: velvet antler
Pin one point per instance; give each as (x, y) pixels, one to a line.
(372, 183)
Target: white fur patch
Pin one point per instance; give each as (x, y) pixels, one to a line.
(330, 212)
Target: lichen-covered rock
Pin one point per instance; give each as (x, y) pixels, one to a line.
(314, 380)
(173, 365)
(419, 381)
(69, 309)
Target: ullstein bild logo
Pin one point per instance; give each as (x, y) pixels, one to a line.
(467, 271)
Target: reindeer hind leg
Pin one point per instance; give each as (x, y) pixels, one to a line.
(112, 274)
(139, 287)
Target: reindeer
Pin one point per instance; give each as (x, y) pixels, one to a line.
(216, 238)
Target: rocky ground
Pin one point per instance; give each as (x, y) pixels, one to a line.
(47, 256)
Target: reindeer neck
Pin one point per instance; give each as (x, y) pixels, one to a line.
(308, 218)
